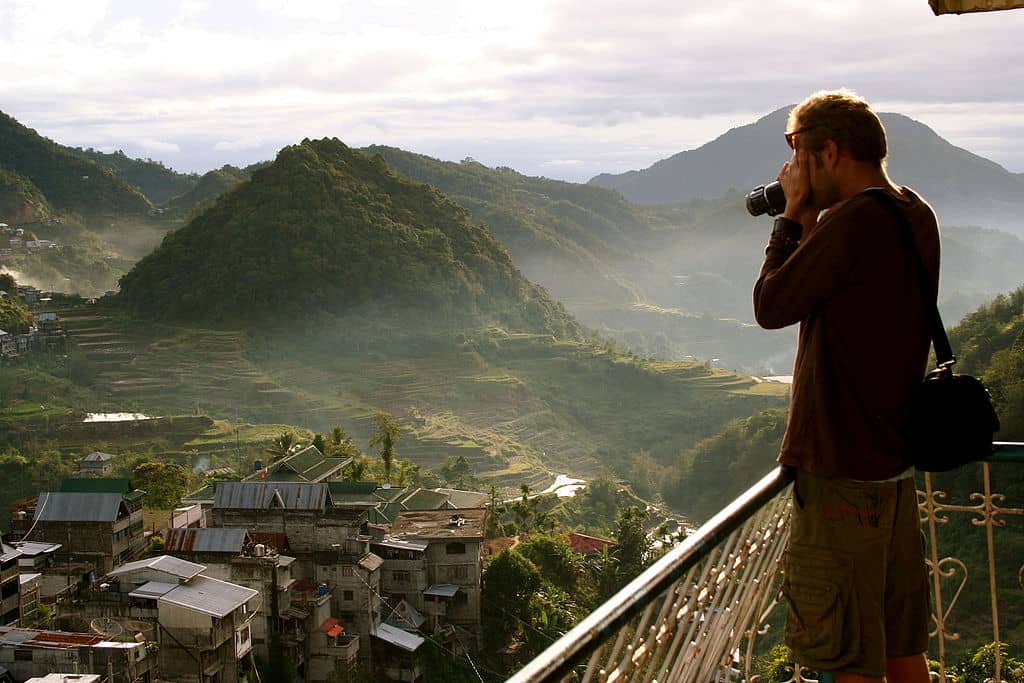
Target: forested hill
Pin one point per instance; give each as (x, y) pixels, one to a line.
(205, 191)
(158, 182)
(66, 180)
(325, 229)
(577, 240)
(990, 343)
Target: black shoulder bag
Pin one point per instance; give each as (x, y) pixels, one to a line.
(951, 420)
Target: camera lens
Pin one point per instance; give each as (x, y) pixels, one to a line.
(769, 199)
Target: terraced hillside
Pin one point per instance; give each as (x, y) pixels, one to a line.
(517, 406)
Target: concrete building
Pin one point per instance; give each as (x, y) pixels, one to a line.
(202, 625)
(10, 603)
(89, 519)
(28, 653)
(453, 561)
(329, 543)
(96, 464)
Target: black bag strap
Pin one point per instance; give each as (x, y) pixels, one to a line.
(943, 351)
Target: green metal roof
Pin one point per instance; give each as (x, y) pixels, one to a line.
(352, 487)
(424, 499)
(96, 485)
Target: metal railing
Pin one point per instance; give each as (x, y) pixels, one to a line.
(698, 612)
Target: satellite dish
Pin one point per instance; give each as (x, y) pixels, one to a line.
(105, 626)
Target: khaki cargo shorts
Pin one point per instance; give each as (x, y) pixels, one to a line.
(855, 579)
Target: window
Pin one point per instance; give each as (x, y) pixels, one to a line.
(348, 595)
(346, 570)
(400, 577)
(458, 572)
(455, 549)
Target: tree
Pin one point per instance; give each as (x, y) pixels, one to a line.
(318, 441)
(508, 584)
(634, 545)
(385, 438)
(284, 445)
(356, 470)
(163, 483)
(458, 472)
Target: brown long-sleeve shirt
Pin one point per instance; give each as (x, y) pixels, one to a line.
(853, 286)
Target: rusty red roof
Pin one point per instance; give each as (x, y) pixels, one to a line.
(583, 544)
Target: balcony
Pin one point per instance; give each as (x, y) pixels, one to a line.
(344, 648)
(705, 610)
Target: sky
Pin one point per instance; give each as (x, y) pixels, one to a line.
(564, 88)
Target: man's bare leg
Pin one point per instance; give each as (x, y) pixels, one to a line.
(912, 669)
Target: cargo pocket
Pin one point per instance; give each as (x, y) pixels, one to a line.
(822, 624)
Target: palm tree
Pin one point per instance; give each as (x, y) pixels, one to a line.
(385, 439)
(283, 446)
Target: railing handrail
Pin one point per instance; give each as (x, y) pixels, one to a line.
(570, 650)
(559, 658)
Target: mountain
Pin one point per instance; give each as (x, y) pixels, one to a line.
(66, 180)
(328, 230)
(158, 182)
(20, 200)
(964, 188)
(575, 240)
(203, 193)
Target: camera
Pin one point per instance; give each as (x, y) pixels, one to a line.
(769, 199)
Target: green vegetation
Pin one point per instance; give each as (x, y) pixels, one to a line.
(20, 200)
(14, 317)
(339, 232)
(65, 179)
(158, 182)
(539, 588)
(203, 193)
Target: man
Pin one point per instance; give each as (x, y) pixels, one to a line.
(837, 262)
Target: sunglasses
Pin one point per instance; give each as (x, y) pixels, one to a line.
(791, 136)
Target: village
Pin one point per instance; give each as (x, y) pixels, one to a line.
(291, 564)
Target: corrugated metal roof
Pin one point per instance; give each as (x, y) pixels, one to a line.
(399, 544)
(174, 566)
(202, 495)
(409, 642)
(465, 523)
(214, 540)
(465, 499)
(97, 456)
(442, 590)
(255, 495)
(32, 548)
(352, 486)
(7, 552)
(80, 507)
(95, 485)
(209, 596)
(425, 499)
(152, 590)
(405, 616)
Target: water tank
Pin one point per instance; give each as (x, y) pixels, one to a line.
(321, 589)
(21, 514)
(260, 550)
(257, 466)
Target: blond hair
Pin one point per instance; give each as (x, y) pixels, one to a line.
(844, 117)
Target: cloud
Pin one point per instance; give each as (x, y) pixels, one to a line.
(241, 145)
(540, 82)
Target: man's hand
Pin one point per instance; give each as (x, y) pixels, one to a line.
(795, 177)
